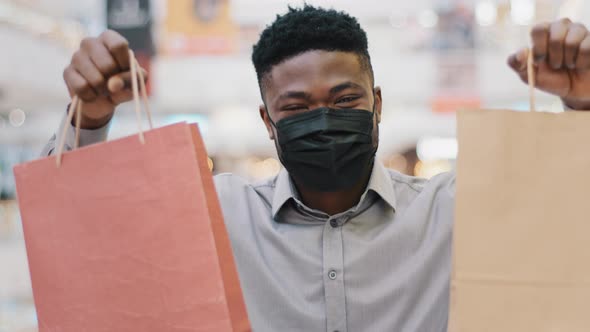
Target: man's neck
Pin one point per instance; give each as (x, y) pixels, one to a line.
(333, 202)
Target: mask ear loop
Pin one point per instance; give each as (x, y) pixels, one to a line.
(269, 118)
(275, 136)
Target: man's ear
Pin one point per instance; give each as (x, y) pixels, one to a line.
(266, 120)
(378, 103)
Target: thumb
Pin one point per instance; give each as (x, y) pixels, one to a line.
(120, 82)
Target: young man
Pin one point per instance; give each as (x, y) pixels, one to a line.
(335, 242)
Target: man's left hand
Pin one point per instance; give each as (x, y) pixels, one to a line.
(561, 52)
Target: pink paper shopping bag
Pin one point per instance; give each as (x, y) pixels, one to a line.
(128, 236)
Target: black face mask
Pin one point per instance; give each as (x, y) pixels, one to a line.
(327, 149)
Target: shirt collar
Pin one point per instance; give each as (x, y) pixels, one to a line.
(284, 191)
(380, 183)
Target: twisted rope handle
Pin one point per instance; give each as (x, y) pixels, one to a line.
(531, 79)
(76, 107)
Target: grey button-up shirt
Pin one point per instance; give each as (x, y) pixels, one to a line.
(383, 265)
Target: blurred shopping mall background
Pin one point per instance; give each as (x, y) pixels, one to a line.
(431, 57)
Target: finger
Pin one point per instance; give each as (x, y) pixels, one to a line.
(100, 56)
(575, 35)
(540, 39)
(123, 81)
(518, 60)
(557, 34)
(118, 46)
(77, 85)
(83, 65)
(122, 97)
(583, 58)
(524, 77)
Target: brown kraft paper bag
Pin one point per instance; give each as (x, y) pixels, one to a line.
(521, 247)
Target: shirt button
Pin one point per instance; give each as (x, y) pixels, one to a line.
(332, 274)
(333, 223)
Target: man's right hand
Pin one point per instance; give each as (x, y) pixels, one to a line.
(99, 74)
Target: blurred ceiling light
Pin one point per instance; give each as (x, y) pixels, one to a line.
(397, 162)
(522, 12)
(66, 31)
(429, 169)
(437, 148)
(486, 13)
(271, 166)
(428, 18)
(16, 117)
(260, 169)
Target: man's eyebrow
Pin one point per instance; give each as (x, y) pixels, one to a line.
(307, 96)
(344, 86)
(295, 95)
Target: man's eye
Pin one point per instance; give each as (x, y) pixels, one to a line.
(294, 107)
(347, 99)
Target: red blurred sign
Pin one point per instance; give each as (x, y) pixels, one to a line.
(456, 82)
(450, 104)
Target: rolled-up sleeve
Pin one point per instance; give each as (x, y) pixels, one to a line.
(87, 137)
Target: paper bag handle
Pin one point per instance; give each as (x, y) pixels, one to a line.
(76, 106)
(531, 79)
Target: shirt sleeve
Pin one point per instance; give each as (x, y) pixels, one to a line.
(87, 137)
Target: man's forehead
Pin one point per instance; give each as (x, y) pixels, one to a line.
(314, 67)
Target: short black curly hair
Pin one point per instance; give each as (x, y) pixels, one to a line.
(306, 29)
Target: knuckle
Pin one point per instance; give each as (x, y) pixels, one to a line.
(77, 58)
(97, 81)
(105, 63)
(579, 26)
(81, 88)
(571, 45)
(120, 45)
(584, 50)
(115, 39)
(107, 33)
(110, 33)
(87, 42)
(540, 29)
(107, 67)
(585, 45)
(556, 26)
(555, 43)
(565, 20)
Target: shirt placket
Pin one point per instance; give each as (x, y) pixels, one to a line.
(334, 276)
